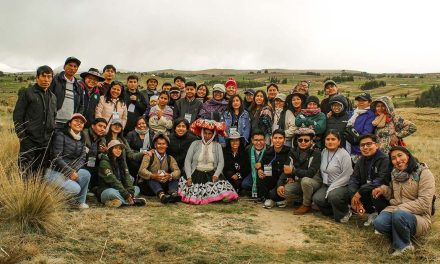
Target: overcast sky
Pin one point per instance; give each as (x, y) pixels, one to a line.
(142, 35)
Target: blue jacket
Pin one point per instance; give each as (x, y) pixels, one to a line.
(363, 125)
(244, 125)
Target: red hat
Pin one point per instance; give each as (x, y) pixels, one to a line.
(199, 124)
(231, 82)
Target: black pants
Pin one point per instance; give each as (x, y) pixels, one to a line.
(266, 185)
(371, 204)
(33, 157)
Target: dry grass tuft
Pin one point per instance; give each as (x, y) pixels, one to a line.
(30, 205)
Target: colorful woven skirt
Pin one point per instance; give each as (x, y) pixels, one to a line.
(204, 191)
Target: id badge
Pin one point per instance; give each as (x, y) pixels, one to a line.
(188, 117)
(268, 170)
(131, 108)
(116, 116)
(91, 162)
(233, 129)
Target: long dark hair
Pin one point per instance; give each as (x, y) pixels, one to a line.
(289, 104)
(108, 137)
(413, 163)
(254, 105)
(108, 96)
(231, 109)
(117, 162)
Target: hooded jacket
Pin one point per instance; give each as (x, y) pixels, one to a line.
(395, 125)
(338, 121)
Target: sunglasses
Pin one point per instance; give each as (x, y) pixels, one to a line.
(301, 140)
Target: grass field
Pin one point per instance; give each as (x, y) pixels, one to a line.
(241, 232)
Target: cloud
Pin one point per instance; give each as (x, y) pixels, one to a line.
(374, 36)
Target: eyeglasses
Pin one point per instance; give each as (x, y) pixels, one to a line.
(366, 145)
(301, 140)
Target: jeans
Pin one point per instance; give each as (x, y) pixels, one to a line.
(75, 188)
(399, 225)
(302, 190)
(335, 204)
(158, 187)
(111, 194)
(247, 182)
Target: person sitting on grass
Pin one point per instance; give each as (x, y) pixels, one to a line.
(236, 165)
(371, 171)
(160, 171)
(301, 177)
(68, 157)
(332, 198)
(204, 164)
(115, 183)
(411, 195)
(270, 169)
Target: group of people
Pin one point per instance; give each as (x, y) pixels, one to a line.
(103, 137)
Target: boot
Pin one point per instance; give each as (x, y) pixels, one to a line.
(302, 210)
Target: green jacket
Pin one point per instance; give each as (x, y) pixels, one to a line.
(317, 122)
(108, 179)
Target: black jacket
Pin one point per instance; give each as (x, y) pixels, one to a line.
(183, 107)
(306, 164)
(91, 100)
(58, 87)
(92, 143)
(68, 155)
(364, 178)
(136, 142)
(326, 107)
(237, 164)
(179, 147)
(140, 106)
(34, 114)
(277, 159)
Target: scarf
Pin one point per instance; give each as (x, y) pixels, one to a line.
(146, 145)
(357, 112)
(206, 143)
(381, 120)
(167, 112)
(254, 172)
(403, 176)
(76, 136)
(311, 112)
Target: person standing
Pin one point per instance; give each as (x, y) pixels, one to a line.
(70, 96)
(188, 107)
(109, 73)
(34, 121)
(89, 83)
(135, 101)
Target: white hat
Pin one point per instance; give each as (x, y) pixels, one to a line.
(234, 135)
(115, 142)
(219, 87)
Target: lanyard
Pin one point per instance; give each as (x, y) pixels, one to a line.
(328, 161)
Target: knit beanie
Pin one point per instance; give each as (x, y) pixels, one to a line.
(231, 82)
(312, 98)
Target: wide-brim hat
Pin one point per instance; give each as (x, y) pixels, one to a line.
(94, 72)
(114, 143)
(197, 126)
(161, 135)
(302, 131)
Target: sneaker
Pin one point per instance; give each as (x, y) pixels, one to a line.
(346, 217)
(302, 210)
(175, 198)
(165, 198)
(115, 203)
(83, 206)
(139, 201)
(268, 203)
(370, 219)
(281, 204)
(400, 252)
(377, 232)
(90, 194)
